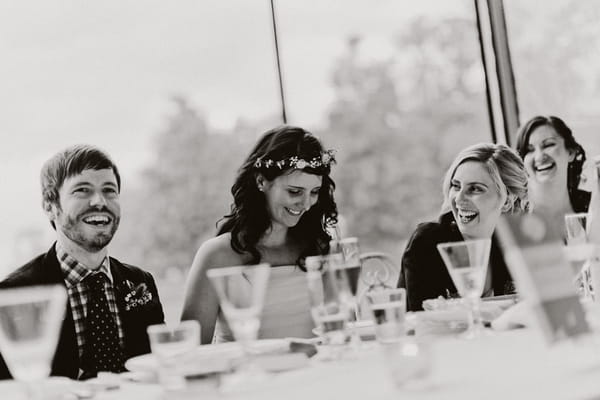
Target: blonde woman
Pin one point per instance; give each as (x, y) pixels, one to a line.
(484, 181)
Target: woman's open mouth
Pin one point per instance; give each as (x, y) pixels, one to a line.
(295, 213)
(466, 216)
(544, 167)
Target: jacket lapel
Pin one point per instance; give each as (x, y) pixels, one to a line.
(66, 358)
(120, 278)
(119, 283)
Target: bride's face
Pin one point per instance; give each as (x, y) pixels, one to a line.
(291, 195)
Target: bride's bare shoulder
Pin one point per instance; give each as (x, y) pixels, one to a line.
(217, 252)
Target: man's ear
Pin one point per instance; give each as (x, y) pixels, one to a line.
(50, 209)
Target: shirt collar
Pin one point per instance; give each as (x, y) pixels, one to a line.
(74, 271)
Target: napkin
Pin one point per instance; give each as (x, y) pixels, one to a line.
(456, 310)
(517, 316)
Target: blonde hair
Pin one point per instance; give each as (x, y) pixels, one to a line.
(505, 168)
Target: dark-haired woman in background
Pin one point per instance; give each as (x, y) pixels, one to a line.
(283, 205)
(553, 161)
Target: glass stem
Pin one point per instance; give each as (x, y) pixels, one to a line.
(476, 321)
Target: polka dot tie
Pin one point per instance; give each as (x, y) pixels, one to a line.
(102, 349)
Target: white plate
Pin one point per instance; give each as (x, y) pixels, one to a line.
(210, 358)
(53, 388)
(455, 310)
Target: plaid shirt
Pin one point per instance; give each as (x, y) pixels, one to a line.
(74, 273)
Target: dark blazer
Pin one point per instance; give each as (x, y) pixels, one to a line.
(580, 200)
(424, 274)
(45, 269)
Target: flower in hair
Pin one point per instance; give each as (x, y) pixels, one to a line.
(324, 160)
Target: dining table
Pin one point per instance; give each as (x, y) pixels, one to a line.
(512, 364)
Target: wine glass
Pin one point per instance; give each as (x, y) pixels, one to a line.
(30, 321)
(241, 291)
(467, 263)
(579, 250)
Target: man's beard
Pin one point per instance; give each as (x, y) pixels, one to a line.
(100, 240)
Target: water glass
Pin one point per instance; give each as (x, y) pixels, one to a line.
(467, 263)
(388, 307)
(363, 271)
(579, 251)
(30, 321)
(170, 346)
(350, 251)
(329, 313)
(330, 319)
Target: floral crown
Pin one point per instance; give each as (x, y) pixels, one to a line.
(325, 160)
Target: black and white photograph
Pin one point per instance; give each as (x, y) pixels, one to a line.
(300, 199)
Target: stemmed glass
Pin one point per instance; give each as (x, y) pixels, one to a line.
(467, 263)
(579, 250)
(241, 291)
(30, 321)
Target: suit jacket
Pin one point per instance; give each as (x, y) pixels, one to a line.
(424, 274)
(580, 200)
(45, 270)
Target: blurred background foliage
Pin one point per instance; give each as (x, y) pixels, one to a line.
(396, 120)
(397, 123)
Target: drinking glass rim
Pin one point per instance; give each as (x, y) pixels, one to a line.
(322, 257)
(462, 242)
(341, 264)
(234, 270)
(577, 215)
(159, 328)
(31, 294)
(386, 290)
(372, 296)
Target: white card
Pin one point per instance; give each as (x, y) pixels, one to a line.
(542, 275)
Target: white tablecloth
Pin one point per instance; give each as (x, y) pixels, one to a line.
(504, 365)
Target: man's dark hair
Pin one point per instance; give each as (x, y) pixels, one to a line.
(69, 162)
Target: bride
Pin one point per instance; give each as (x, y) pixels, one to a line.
(283, 206)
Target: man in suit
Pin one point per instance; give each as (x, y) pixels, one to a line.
(110, 304)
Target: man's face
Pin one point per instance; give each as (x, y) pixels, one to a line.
(88, 210)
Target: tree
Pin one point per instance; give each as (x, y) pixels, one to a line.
(399, 122)
(182, 192)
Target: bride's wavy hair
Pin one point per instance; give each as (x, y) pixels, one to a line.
(249, 218)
